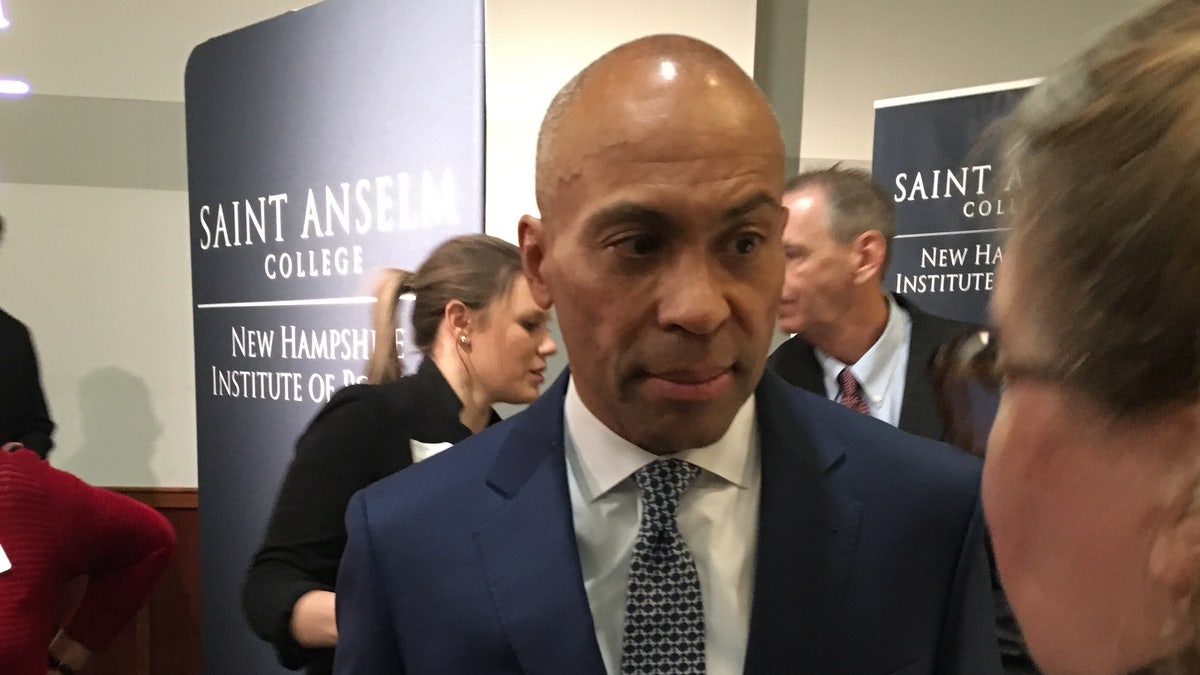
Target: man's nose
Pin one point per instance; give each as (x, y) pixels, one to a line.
(692, 296)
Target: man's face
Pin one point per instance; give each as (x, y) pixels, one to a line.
(662, 257)
(819, 282)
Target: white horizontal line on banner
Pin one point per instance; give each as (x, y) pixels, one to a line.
(357, 300)
(956, 93)
(946, 234)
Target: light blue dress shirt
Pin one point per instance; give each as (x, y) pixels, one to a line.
(881, 371)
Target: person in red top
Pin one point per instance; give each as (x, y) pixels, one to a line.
(54, 528)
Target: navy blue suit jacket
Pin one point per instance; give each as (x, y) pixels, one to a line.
(869, 559)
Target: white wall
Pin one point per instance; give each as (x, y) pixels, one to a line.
(101, 275)
(863, 50)
(133, 49)
(535, 46)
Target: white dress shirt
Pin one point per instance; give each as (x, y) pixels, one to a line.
(422, 451)
(881, 371)
(718, 519)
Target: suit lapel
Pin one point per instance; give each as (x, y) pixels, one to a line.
(529, 552)
(811, 375)
(918, 409)
(807, 535)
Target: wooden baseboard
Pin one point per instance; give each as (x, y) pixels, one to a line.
(162, 498)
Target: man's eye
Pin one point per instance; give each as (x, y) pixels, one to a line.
(744, 244)
(639, 245)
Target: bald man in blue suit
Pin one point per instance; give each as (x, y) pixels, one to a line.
(806, 537)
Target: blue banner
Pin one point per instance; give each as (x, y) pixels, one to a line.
(937, 155)
(322, 144)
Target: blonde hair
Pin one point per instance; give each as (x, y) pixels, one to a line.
(1108, 152)
(472, 269)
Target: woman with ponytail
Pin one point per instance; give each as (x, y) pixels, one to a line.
(483, 341)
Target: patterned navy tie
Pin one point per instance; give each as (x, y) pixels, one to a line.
(664, 612)
(852, 396)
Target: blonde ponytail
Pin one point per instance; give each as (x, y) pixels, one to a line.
(386, 364)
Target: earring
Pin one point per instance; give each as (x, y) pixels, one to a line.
(464, 339)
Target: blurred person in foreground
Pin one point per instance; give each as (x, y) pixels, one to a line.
(483, 341)
(54, 528)
(666, 507)
(1092, 478)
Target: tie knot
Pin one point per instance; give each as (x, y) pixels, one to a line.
(851, 392)
(663, 481)
(847, 382)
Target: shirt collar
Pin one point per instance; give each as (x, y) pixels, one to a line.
(873, 370)
(602, 459)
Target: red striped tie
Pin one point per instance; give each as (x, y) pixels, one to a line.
(852, 396)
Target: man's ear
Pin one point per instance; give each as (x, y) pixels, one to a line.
(871, 256)
(531, 234)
